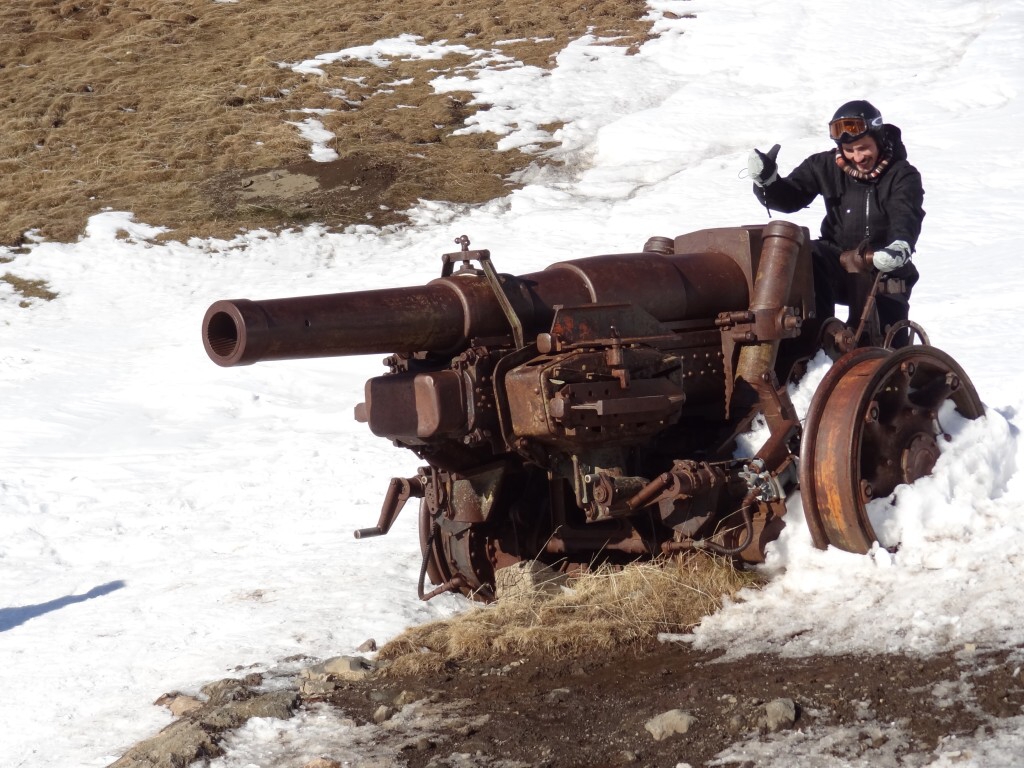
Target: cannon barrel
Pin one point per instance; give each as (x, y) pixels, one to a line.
(240, 331)
(444, 315)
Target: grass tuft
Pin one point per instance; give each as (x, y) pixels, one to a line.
(601, 611)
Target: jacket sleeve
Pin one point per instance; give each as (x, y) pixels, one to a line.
(905, 206)
(795, 191)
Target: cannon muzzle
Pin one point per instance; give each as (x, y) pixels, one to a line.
(241, 332)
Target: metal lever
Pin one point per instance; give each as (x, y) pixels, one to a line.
(400, 490)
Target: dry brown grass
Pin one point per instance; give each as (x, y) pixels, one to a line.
(28, 289)
(167, 108)
(604, 610)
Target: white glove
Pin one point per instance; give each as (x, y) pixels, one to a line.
(893, 256)
(762, 167)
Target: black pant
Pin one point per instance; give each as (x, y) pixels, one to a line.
(834, 285)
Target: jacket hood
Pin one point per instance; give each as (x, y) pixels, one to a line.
(893, 137)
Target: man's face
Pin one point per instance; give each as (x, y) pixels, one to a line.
(862, 152)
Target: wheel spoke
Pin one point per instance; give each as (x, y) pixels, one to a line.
(892, 397)
(877, 465)
(935, 391)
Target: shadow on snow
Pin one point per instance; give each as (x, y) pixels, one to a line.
(13, 617)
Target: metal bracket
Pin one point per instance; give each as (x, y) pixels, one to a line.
(761, 483)
(484, 258)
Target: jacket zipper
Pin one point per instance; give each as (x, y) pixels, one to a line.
(867, 214)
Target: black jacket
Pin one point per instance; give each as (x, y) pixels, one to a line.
(880, 210)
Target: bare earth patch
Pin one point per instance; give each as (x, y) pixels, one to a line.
(593, 711)
(182, 111)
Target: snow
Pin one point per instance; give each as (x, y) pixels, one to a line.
(313, 131)
(167, 522)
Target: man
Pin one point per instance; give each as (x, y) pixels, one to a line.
(873, 198)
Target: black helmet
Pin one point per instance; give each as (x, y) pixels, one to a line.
(853, 120)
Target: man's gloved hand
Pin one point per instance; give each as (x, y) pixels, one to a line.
(762, 167)
(893, 256)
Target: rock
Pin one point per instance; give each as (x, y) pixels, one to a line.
(176, 746)
(183, 704)
(475, 747)
(196, 734)
(670, 723)
(527, 578)
(863, 711)
(779, 715)
(383, 713)
(385, 695)
(558, 696)
(466, 729)
(178, 703)
(317, 687)
(368, 646)
(322, 762)
(279, 704)
(403, 698)
(341, 667)
(225, 690)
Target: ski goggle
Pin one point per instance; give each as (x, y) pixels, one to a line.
(848, 128)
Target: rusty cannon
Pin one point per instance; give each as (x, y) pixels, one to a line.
(591, 412)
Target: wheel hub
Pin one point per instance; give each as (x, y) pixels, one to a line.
(919, 457)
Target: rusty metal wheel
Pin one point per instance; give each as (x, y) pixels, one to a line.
(872, 425)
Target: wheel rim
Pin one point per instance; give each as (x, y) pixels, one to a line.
(871, 426)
